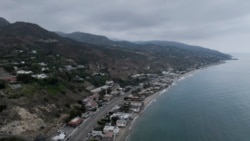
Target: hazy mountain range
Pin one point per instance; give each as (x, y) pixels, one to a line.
(118, 58)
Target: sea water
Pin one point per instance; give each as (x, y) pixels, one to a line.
(213, 104)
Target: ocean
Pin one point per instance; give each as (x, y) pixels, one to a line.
(212, 104)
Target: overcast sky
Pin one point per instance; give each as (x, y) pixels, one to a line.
(217, 24)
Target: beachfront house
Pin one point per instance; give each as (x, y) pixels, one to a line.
(108, 128)
(121, 115)
(121, 123)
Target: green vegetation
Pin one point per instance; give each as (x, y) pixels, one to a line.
(8, 68)
(11, 139)
(2, 107)
(24, 78)
(2, 84)
(29, 90)
(74, 112)
(98, 80)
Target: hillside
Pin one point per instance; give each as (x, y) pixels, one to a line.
(3, 22)
(156, 53)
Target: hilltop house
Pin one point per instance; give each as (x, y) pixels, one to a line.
(91, 102)
(24, 72)
(40, 76)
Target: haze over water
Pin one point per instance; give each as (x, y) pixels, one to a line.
(211, 105)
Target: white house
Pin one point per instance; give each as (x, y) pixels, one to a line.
(96, 133)
(59, 137)
(40, 76)
(99, 89)
(121, 123)
(108, 129)
(24, 72)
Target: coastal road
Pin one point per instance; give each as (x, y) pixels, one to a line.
(82, 132)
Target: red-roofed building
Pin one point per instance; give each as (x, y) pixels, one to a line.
(75, 122)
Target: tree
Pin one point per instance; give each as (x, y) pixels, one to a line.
(8, 68)
(25, 78)
(2, 84)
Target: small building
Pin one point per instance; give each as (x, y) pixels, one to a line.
(24, 72)
(43, 69)
(121, 115)
(59, 137)
(99, 89)
(107, 97)
(135, 109)
(78, 78)
(90, 102)
(108, 129)
(134, 98)
(136, 106)
(75, 122)
(95, 133)
(80, 66)
(91, 105)
(121, 123)
(42, 64)
(40, 76)
(109, 83)
(69, 68)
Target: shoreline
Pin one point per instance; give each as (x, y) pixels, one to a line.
(126, 132)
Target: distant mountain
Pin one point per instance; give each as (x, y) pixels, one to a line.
(171, 44)
(190, 48)
(120, 59)
(26, 29)
(3, 22)
(87, 38)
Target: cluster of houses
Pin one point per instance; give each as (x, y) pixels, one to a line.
(119, 117)
(109, 131)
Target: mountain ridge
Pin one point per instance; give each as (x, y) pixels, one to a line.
(3, 22)
(98, 52)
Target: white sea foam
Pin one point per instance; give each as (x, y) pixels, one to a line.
(132, 123)
(150, 103)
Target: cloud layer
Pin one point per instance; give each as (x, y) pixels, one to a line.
(216, 24)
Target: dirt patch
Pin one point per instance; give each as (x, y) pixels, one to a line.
(28, 123)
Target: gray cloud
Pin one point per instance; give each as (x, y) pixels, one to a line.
(217, 24)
